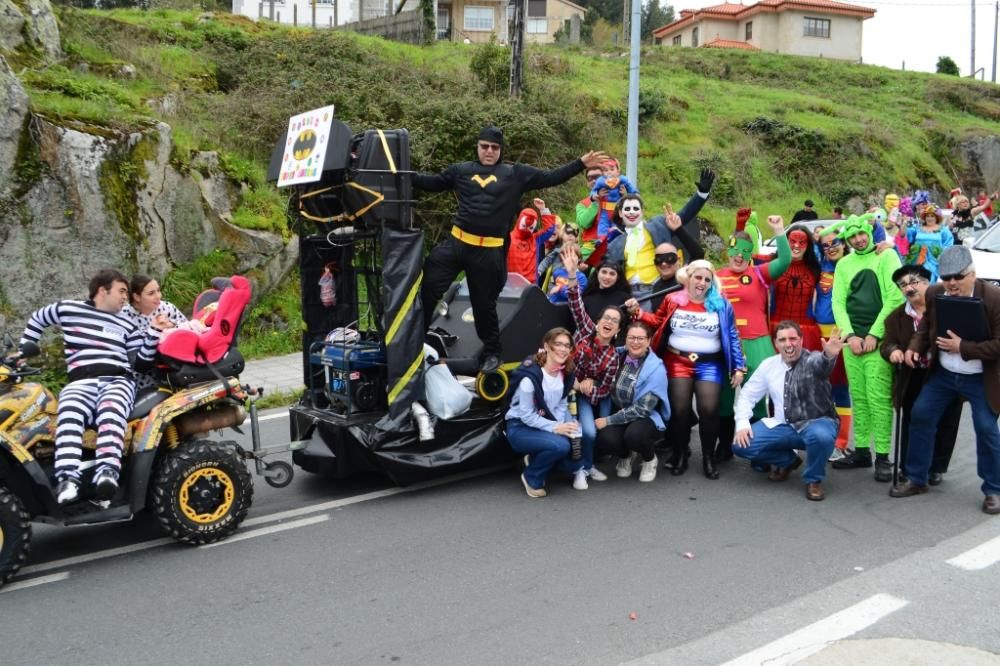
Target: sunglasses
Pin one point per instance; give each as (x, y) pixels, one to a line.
(667, 258)
(489, 146)
(954, 277)
(832, 245)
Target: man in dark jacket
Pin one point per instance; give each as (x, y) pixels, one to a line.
(958, 368)
(489, 195)
(900, 326)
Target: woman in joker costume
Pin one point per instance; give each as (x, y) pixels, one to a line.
(746, 286)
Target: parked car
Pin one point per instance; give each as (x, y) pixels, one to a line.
(986, 255)
(768, 247)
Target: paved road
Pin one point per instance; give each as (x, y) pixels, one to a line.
(473, 572)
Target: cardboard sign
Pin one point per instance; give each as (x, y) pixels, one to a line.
(305, 147)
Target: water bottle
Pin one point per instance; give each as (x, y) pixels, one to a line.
(575, 443)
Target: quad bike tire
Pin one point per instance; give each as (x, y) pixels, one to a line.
(15, 534)
(202, 491)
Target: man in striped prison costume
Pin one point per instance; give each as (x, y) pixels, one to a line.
(101, 387)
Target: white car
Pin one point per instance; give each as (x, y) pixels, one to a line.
(769, 247)
(986, 255)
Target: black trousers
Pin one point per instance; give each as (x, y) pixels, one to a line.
(486, 272)
(947, 429)
(620, 440)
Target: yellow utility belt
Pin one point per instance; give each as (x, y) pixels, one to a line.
(473, 239)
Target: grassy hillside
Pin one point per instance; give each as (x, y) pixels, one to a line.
(777, 129)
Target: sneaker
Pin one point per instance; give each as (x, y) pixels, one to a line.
(596, 474)
(857, 459)
(624, 467)
(67, 492)
(647, 471)
(105, 483)
(837, 455)
(580, 479)
(534, 493)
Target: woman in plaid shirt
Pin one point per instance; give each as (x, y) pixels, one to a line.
(596, 363)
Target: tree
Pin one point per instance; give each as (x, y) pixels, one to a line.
(946, 65)
(654, 16)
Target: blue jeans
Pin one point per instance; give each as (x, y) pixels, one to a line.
(586, 415)
(940, 389)
(776, 446)
(547, 451)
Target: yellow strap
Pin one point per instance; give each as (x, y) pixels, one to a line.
(473, 239)
(378, 197)
(404, 310)
(388, 154)
(407, 376)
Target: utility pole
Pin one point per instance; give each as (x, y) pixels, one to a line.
(996, 16)
(972, 65)
(632, 138)
(517, 49)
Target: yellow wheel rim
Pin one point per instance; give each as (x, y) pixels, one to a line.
(483, 390)
(208, 475)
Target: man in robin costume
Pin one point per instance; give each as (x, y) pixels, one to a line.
(489, 193)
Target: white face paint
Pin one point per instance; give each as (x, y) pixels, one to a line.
(631, 213)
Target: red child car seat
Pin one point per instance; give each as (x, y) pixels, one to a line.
(187, 353)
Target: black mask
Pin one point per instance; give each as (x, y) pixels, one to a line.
(665, 258)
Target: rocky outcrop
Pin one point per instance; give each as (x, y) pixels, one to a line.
(15, 101)
(32, 19)
(980, 160)
(105, 199)
(11, 25)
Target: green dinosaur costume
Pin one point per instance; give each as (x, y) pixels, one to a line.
(863, 294)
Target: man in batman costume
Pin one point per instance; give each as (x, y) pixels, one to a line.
(489, 193)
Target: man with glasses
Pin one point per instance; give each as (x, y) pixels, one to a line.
(668, 260)
(489, 195)
(958, 368)
(863, 296)
(900, 327)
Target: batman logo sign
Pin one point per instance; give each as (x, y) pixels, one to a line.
(483, 182)
(304, 144)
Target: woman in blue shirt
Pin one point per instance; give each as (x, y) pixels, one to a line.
(538, 422)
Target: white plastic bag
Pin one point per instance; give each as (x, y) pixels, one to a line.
(446, 398)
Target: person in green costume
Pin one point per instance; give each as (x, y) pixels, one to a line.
(863, 295)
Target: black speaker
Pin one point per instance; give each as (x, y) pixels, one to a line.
(379, 191)
(525, 316)
(336, 162)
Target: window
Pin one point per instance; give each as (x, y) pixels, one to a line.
(536, 26)
(677, 40)
(478, 18)
(816, 27)
(694, 37)
(748, 33)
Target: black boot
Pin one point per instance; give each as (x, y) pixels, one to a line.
(727, 431)
(678, 463)
(857, 459)
(883, 468)
(708, 461)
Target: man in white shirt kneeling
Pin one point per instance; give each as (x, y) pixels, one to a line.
(805, 417)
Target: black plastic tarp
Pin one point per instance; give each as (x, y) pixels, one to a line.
(402, 319)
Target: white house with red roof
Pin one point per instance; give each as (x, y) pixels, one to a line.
(821, 28)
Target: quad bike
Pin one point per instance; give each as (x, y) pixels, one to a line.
(199, 488)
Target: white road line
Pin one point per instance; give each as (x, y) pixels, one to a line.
(367, 497)
(281, 415)
(270, 518)
(34, 582)
(809, 640)
(99, 555)
(980, 557)
(264, 531)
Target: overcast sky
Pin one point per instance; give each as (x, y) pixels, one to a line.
(917, 32)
